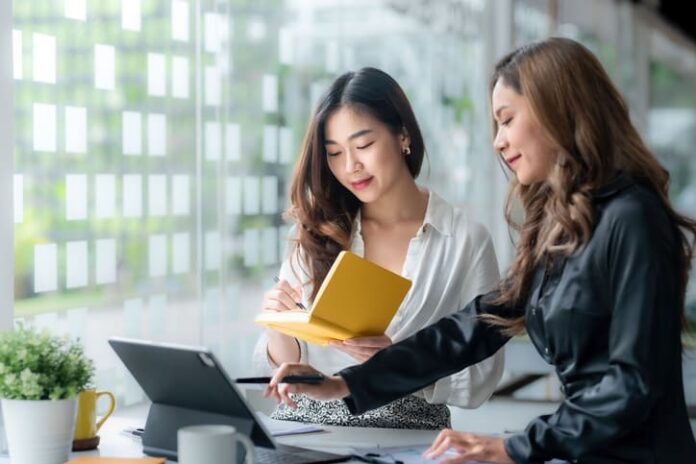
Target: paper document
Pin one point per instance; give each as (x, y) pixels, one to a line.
(278, 428)
(402, 454)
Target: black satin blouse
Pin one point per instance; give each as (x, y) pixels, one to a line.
(607, 318)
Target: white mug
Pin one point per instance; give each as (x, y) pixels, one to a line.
(211, 444)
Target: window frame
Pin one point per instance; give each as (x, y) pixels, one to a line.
(6, 169)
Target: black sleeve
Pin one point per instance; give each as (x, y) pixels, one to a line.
(439, 350)
(641, 287)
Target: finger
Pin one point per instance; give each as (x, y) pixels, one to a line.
(436, 450)
(272, 301)
(274, 306)
(379, 341)
(283, 285)
(282, 371)
(354, 351)
(290, 369)
(435, 444)
(272, 392)
(278, 301)
(446, 439)
(298, 293)
(284, 391)
(286, 298)
(295, 293)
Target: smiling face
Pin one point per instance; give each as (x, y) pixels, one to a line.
(363, 154)
(520, 139)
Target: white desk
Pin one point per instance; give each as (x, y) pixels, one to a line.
(335, 439)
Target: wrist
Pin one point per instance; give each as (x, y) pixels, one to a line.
(341, 386)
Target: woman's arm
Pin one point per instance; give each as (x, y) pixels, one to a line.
(439, 350)
(436, 351)
(274, 348)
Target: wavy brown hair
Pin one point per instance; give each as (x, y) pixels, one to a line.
(584, 116)
(323, 209)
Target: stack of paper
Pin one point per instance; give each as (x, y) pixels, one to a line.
(403, 454)
(279, 428)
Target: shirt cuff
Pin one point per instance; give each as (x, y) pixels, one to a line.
(517, 447)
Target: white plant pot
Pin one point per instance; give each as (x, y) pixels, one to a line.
(39, 432)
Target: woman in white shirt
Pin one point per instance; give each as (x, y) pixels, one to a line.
(354, 188)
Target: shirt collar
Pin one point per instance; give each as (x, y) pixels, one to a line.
(619, 183)
(438, 214)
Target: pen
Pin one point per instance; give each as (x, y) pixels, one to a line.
(276, 279)
(299, 304)
(310, 379)
(135, 432)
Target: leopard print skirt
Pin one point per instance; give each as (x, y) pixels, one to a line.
(410, 412)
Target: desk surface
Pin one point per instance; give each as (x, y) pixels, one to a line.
(116, 443)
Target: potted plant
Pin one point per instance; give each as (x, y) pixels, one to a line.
(41, 376)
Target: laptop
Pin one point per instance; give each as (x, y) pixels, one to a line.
(188, 386)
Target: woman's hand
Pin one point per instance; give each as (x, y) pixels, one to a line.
(469, 447)
(333, 388)
(362, 348)
(281, 297)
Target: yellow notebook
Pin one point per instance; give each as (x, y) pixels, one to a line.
(357, 298)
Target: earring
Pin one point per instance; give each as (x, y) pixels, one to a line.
(406, 151)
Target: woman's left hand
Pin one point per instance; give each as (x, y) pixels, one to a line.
(362, 348)
(469, 447)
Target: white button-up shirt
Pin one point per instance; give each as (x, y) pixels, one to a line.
(450, 261)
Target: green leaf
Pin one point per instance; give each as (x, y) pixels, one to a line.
(37, 366)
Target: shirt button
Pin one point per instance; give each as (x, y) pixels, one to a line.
(546, 350)
(533, 310)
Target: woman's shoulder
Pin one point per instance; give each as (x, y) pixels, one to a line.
(634, 205)
(636, 214)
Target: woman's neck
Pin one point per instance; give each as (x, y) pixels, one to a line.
(406, 203)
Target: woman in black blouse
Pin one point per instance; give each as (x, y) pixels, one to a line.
(598, 280)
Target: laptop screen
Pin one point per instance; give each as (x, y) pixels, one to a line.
(187, 381)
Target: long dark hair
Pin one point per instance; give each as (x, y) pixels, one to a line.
(585, 117)
(323, 209)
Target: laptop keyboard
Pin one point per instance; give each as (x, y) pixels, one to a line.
(285, 454)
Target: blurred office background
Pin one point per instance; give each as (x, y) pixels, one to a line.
(154, 140)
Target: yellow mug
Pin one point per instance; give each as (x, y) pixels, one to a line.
(86, 424)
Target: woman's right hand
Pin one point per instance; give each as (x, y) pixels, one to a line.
(332, 388)
(281, 297)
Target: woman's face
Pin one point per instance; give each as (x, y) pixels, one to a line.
(363, 154)
(520, 139)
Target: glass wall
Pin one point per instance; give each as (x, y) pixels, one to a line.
(154, 140)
